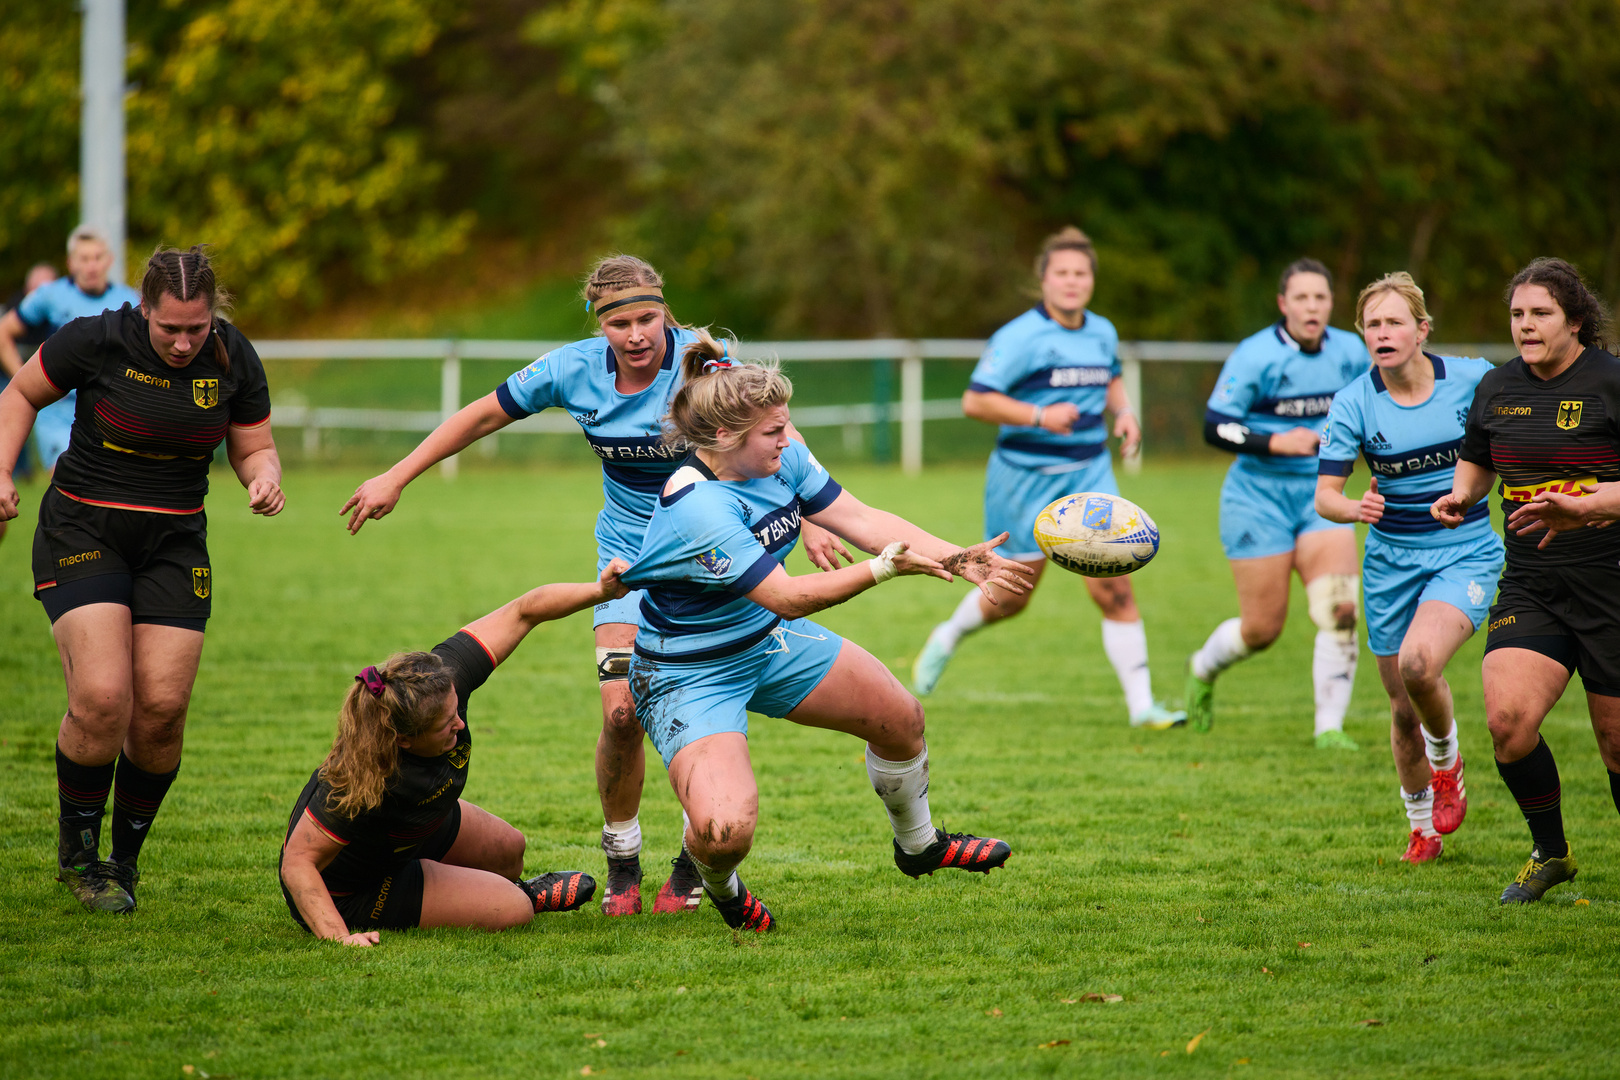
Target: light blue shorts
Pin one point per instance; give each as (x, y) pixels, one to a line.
(682, 703)
(626, 609)
(1397, 579)
(1267, 514)
(1014, 497)
(52, 428)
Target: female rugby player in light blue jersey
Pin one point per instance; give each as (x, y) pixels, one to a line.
(1046, 378)
(1428, 588)
(1269, 407)
(723, 631)
(619, 390)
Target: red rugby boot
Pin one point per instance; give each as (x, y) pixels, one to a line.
(1450, 797)
(745, 912)
(561, 890)
(684, 889)
(622, 896)
(1421, 849)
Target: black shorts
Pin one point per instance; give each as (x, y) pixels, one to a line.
(154, 564)
(1570, 613)
(393, 902)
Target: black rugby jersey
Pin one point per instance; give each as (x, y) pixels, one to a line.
(420, 795)
(1552, 434)
(144, 433)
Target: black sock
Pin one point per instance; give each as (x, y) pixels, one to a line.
(1533, 780)
(81, 796)
(137, 794)
(1614, 788)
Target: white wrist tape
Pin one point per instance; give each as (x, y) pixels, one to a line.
(882, 566)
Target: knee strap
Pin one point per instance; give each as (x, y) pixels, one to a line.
(1328, 592)
(613, 664)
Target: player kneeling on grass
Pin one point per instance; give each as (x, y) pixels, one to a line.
(722, 627)
(1428, 589)
(380, 836)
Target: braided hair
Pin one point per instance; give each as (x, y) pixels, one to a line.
(186, 275)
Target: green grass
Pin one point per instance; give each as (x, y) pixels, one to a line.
(1178, 871)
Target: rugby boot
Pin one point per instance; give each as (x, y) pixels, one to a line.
(1422, 849)
(958, 851)
(1537, 877)
(930, 663)
(1450, 797)
(622, 896)
(1334, 739)
(1158, 717)
(684, 889)
(98, 885)
(1200, 702)
(560, 890)
(744, 911)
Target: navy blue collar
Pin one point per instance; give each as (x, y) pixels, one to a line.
(669, 353)
(1040, 309)
(1439, 372)
(1280, 329)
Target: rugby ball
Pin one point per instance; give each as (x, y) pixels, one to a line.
(1097, 535)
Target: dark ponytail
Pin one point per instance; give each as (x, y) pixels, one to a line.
(186, 275)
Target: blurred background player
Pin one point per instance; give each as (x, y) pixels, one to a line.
(121, 549)
(1046, 378)
(380, 837)
(84, 292)
(1269, 406)
(25, 344)
(1548, 423)
(619, 390)
(1428, 589)
(723, 628)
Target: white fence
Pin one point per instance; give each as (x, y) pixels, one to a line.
(911, 409)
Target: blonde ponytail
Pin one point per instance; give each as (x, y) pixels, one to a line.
(721, 393)
(400, 698)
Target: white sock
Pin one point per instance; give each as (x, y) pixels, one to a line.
(1223, 649)
(720, 886)
(1442, 752)
(1333, 670)
(963, 621)
(622, 839)
(1420, 810)
(903, 787)
(1126, 646)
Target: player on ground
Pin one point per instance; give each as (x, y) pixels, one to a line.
(1427, 589)
(380, 837)
(1047, 378)
(1548, 422)
(85, 291)
(619, 390)
(723, 628)
(120, 554)
(1268, 408)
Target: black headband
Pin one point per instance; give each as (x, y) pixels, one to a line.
(623, 300)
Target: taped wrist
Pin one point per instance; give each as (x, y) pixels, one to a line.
(613, 663)
(1325, 594)
(882, 566)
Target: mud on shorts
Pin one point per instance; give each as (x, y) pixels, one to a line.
(1568, 613)
(154, 564)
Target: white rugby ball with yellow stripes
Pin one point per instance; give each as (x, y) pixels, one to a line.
(1097, 535)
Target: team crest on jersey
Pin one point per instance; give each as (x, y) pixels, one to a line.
(459, 755)
(205, 392)
(1569, 415)
(1348, 369)
(1098, 514)
(199, 581)
(715, 561)
(532, 370)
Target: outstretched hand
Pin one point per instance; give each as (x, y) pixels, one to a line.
(375, 498)
(982, 566)
(821, 547)
(1555, 512)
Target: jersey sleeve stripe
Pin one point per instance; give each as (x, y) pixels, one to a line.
(492, 661)
(317, 822)
(754, 574)
(824, 498)
(509, 403)
(1326, 467)
(253, 424)
(985, 388)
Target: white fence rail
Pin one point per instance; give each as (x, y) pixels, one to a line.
(911, 409)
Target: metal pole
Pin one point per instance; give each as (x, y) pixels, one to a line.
(911, 408)
(1131, 373)
(101, 124)
(450, 401)
(882, 392)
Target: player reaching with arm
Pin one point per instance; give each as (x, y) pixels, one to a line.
(380, 837)
(1268, 408)
(1428, 589)
(723, 628)
(1047, 378)
(618, 387)
(1548, 423)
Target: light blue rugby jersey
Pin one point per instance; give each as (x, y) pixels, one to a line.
(1038, 360)
(1270, 385)
(57, 303)
(1412, 449)
(710, 543)
(625, 430)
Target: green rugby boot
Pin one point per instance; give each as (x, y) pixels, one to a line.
(99, 885)
(930, 663)
(1200, 702)
(1333, 739)
(1537, 877)
(1158, 717)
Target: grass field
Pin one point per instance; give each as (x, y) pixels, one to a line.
(1238, 891)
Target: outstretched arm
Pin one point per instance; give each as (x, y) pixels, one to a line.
(795, 597)
(377, 497)
(307, 852)
(503, 629)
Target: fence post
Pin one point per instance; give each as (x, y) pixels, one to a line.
(911, 408)
(1131, 372)
(882, 394)
(450, 400)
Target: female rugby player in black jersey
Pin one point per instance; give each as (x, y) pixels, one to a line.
(380, 837)
(1548, 422)
(120, 554)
